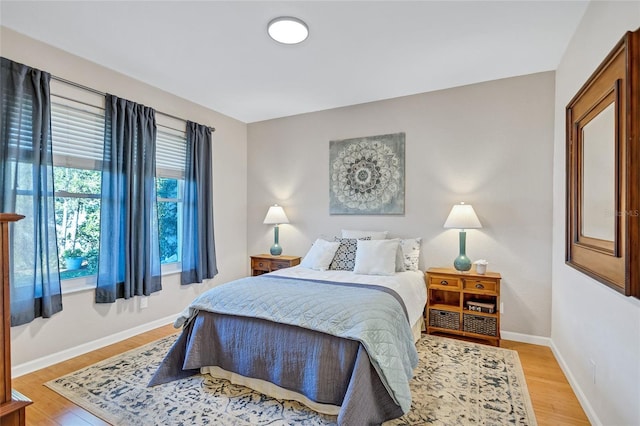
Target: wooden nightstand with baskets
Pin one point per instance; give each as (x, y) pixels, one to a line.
(463, 304)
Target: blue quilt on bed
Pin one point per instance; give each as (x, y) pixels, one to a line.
(364, 313)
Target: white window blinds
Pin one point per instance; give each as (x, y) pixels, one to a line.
(77, 132)
(20, 125)
(171, 146)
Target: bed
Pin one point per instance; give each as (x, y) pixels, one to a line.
(340, 342)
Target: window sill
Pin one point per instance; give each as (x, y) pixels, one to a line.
(77, 285)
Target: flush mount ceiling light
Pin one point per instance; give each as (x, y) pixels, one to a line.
(288, 30)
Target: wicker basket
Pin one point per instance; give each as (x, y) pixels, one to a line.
(480, 325)
(444, 319)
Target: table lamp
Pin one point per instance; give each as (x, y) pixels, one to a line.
(462, 216)
(276, 216)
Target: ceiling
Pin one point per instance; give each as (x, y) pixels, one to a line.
(218, 54)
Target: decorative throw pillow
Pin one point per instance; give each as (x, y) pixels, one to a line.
(374, 235)
(345, 258)
(320, 255)
(411, 253)
(399, 257)
(377, 257)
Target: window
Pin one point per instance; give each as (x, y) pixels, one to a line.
(170, 160)
(77, 125)
(21, 173)
(77, 130)
(169, 218)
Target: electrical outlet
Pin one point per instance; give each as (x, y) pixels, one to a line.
(502, 307)
(144, 302)
(593, 370)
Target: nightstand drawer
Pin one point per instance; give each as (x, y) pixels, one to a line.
(480, 285)
(275, 265)
(444, 281)
(261, 265)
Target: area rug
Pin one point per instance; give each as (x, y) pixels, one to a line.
(455, 383)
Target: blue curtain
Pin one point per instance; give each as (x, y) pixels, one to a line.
(26, 181)
(198, 247)
(129, 262)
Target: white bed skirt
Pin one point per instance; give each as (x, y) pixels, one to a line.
(269, 389)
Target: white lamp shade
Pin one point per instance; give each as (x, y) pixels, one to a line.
(462, 216)
(275, 216)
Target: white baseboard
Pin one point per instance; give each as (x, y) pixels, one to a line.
(547, 341)
(525, 338)
(46, 361)
(582, 398)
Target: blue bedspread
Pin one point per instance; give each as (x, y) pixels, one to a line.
(375, 318)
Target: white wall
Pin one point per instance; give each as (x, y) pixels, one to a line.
(590, 322)
(82, 321)
(488, 144)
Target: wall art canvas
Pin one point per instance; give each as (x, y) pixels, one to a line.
(367, 175)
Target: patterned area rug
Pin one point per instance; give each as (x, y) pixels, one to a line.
(455, 383)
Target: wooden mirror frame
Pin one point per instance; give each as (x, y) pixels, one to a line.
(615, 263)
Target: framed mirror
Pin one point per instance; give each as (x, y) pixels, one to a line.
(603, 180)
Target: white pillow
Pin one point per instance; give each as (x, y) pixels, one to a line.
(376, 257)
(411, 253)
(375, 235)
(320, 255)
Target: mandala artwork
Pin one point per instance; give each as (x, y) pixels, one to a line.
(367, 175)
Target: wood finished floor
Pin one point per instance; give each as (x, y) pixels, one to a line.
(553, 399)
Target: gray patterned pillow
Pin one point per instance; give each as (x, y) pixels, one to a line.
(345, 258)
(411, 253)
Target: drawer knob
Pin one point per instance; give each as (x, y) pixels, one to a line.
(260, 264)
(479, 285)
(444, 282)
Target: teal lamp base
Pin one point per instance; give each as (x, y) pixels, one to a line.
(462, 263)
(275, 250)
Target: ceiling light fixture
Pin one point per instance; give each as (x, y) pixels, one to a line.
(288, 30)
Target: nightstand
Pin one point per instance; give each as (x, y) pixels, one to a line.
(463, 304)
(263, 263)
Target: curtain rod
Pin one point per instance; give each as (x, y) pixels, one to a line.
(97, 92)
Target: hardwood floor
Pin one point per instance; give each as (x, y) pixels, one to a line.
(551, 395)
(49, 408)
(553, 399)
